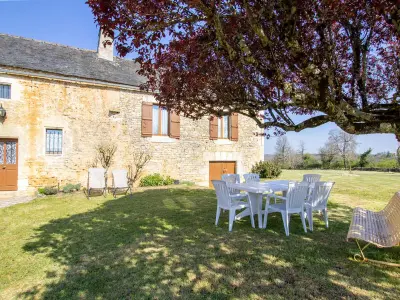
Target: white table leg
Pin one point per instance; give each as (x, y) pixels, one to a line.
(256, 205)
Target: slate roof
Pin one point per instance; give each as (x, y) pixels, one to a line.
(52, 58)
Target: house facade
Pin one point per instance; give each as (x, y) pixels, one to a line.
(62, 102)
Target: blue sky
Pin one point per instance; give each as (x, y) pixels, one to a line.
(70, 22)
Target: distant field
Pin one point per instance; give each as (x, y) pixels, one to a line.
(367, 189)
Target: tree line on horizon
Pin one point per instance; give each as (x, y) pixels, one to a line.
(338, 152)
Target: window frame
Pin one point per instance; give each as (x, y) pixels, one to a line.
(221, 128)
(159, 120)
(10, 93)
(53, 153)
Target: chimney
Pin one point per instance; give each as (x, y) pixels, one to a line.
(106, 52)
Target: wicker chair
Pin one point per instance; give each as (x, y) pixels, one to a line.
(381, 229)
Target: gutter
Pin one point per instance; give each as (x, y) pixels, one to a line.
(75, 80)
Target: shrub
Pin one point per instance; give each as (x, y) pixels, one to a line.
(48, 190)
(267, 169)
(156, 179)
(69, 188)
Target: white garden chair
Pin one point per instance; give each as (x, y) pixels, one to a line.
(234, 193)
(293, 203)
(318, 201)
(251, 177)
(311, 178)
(96, 181)
(226, 202)
(120, 182)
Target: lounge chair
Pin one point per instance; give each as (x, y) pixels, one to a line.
(120, 182)
(96, 181)
(381, 229)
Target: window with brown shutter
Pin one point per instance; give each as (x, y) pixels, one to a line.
(174, 125)
(147, 119)
(234, 122)
(213, 128)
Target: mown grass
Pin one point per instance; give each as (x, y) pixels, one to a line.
(162, 244)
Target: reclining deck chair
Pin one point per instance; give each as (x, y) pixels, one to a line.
(120, 182)
(381, 229)
(96, 181)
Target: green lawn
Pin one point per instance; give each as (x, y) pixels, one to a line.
(163, 244)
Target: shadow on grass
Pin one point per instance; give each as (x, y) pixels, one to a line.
(163, 244)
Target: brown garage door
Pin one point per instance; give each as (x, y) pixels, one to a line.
(8, 165)
(218, 168)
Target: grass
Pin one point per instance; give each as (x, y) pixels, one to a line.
(163, 244)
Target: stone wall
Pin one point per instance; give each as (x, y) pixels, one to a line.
(83, 113)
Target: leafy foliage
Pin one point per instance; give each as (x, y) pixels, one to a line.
(156, 179)
(267, 169)
(364, 158)
(48, 190)
(331, 61)
(69, 188)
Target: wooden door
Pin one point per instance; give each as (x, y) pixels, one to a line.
(8, 164)
(218, 168)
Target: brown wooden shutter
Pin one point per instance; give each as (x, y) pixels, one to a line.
(147, 119)
(234, 121)
(213, 128)
(174, 125)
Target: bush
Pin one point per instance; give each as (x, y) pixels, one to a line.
(156, 179)
(48, 190)
(69, 188)
(267, 169)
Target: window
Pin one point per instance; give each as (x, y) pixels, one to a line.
(54, 141)
(5, 91)
(160, 120)
(223, 127)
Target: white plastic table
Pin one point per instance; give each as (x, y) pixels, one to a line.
(256, 191)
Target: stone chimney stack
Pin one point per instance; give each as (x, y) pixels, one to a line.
(106, 52)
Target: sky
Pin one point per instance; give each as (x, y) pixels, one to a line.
(70, 22)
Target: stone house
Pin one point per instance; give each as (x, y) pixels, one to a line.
(61, 102)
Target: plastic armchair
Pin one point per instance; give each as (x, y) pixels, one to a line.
(251, 177)
(226, 202)
(318, 201)
(294, 203)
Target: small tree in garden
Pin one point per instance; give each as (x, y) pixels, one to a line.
(140, 160)
(105, 154)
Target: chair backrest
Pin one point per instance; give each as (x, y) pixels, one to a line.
(311, 178)
(231, 178)
(251, 177)
(392, 215)
(296, 195)
(97, 179)
(221, 189)
(120, 178)
(320, 194)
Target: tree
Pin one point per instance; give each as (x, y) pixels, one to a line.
(327, 153)
(331, 61)
(283, 152)
(302, 148)
(364, 158)
(398, 156)
(345, 145)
